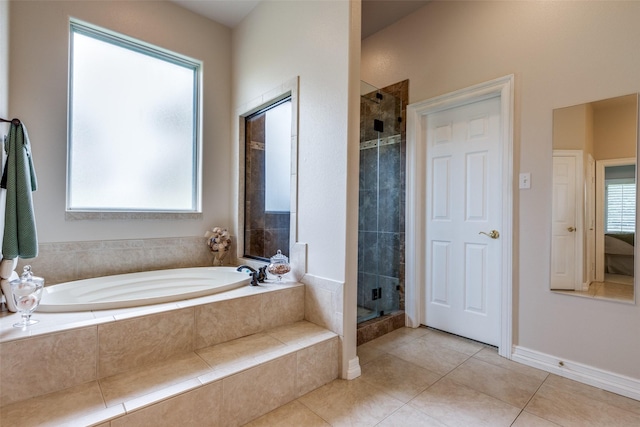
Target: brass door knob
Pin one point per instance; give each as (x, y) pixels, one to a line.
(494, 234)
(571, 229)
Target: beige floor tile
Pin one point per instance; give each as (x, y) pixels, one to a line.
(526, 419)
(390, 341)
(569, 409)
(574, 387)
(453, 342)
(430, 355)
(367, 353)
(408, 416)
(617, 291)
(413, 332)
(293, 414)
(397, 377)
(504, 384)
(350, 403)
(458, 405)
(490, 355)
(129, 385)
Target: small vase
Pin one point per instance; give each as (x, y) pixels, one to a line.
(219, 257)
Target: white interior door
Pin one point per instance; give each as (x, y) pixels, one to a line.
(563, 224)
(463, 250)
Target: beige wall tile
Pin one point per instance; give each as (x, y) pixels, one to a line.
(126, 344)
(323, 302)
(61, 262)
(199, 407)
(259, 390)
(55, 409)
(282, 307)
(227, 320)
(144, 380)
(317, 366)
(44, 364)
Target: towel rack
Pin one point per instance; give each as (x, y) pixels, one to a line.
(14, 121)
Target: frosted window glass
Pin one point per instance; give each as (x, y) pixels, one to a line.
(277, 149)
(133, 118)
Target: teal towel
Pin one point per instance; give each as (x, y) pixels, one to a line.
(19, 179)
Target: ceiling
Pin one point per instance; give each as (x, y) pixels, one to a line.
(376, 14)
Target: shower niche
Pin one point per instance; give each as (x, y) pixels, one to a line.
(382, 201)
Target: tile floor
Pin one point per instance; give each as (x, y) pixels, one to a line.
(423, 377)
(615, 287)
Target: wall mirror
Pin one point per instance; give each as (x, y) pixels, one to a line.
(268, 153)
(594, 199)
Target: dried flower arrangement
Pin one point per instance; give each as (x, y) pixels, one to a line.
(219, 241)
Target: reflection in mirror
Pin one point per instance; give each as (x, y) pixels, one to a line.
(268, 180)
(594, 199)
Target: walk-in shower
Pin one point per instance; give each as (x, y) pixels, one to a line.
(381, 204)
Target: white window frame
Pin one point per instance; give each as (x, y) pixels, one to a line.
(139, 46)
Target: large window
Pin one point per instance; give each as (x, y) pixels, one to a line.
(133, 126)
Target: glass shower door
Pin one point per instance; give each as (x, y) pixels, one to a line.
(379, 249)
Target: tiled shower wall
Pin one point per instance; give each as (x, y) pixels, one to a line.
(265, 232)
(65, 261)
(381, 238)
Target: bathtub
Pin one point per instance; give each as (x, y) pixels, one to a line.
(137, 289)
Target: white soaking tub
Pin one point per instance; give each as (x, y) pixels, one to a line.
(138, 289)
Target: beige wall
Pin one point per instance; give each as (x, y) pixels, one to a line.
(561, 53)
(570, 126)
(4, 61)
(38, 82)
(278, 41)
(4, 88)
(615, 130)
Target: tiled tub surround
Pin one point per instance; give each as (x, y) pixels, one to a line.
(218, 360)
(60, 262)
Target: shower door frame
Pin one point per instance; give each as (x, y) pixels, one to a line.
(416, 208)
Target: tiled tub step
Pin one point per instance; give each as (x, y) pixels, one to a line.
(227, 384)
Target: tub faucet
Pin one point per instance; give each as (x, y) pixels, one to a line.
(257, 276)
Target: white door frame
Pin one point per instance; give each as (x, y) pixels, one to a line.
(416, 208)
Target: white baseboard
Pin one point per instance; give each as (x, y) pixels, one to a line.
(610, 381)
(353, 370)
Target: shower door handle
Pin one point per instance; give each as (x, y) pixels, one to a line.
(494, 234)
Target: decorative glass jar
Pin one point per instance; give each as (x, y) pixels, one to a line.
(279, 265)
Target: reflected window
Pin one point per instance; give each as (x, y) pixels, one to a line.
(133, 119)
(268, 181)
(620, 199)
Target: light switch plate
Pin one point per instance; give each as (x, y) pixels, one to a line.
(525, 180)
